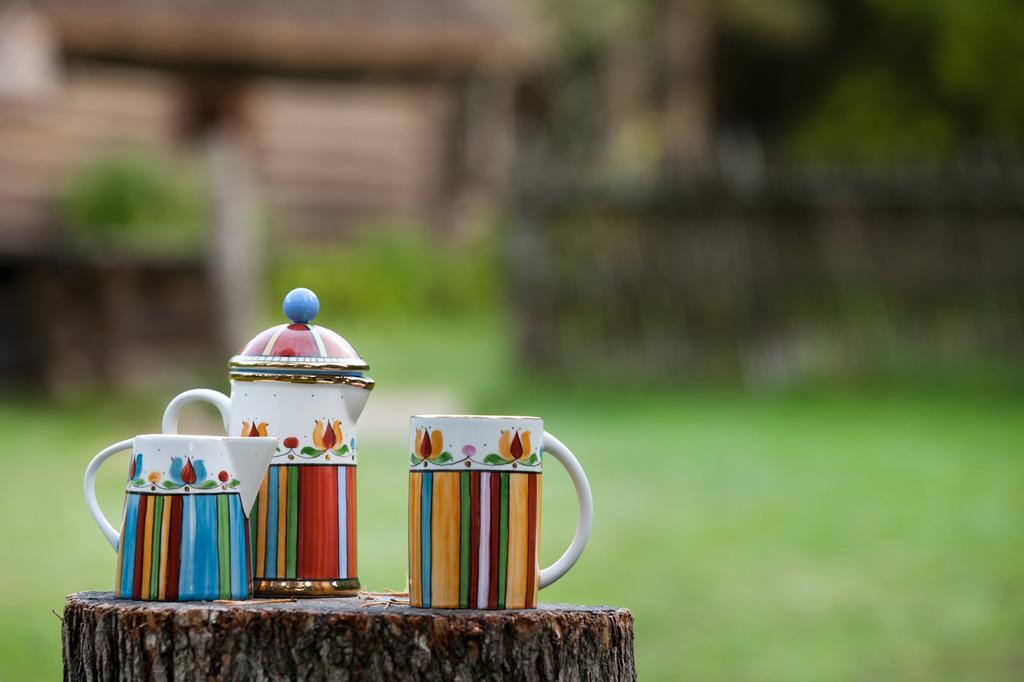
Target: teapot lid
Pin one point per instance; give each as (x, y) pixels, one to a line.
(298, 350)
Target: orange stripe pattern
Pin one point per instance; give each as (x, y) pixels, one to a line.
(473, 539)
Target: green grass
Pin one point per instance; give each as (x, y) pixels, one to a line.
(820, 536)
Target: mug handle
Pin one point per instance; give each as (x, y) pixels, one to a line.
(586, 510)
(113, 537)
(196, 395)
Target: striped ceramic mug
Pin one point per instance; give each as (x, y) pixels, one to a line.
(184, 533)
(474, 511)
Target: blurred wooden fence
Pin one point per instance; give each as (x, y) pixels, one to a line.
(838, 275)
(74, 322)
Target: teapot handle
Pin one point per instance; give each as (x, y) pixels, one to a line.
(174, 408)
(113, 537)
(584, 518)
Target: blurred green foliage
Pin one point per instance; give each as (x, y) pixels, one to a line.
(393, 271)
(837, 81)
(926, 80)
(133, 200)
(869, 118)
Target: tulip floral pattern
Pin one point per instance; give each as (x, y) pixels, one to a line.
(135, 466)
(512, 447)
(185, 474)
(328, 439)
(253, 429)
(429, 447)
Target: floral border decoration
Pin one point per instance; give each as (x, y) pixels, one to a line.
(327, 438)
(187, 475)
(513, 448)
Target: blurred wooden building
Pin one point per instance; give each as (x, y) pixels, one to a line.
(322, 114)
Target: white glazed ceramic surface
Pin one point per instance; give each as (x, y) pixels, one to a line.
(298, 415)
(314, 423)
(475, 443)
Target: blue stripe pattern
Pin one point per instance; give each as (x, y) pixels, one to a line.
(207, 578)
(199, 554)
(128, 531)
(237, 550)
(270, 568)
(186, 577)
(343, 521)
(426, 495)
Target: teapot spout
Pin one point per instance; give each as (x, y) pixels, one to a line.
(250, 459)
(355, 401)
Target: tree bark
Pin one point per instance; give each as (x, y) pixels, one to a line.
(340, 639)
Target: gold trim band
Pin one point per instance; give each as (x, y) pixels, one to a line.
(470, 416)
(358, 382)
(284, 364)
(348, 587)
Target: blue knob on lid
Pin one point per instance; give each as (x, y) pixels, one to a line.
(301, 305)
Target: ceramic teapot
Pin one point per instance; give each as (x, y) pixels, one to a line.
(304, 385)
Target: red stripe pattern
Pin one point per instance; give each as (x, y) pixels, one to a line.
(174, 549)
(532, 528)
(140, 538)
(309, 532)
(318, 521)
(474, 538)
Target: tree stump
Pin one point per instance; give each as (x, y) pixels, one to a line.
(340, 639)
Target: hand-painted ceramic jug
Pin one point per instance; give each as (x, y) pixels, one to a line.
(184, 532)
(305, 385)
